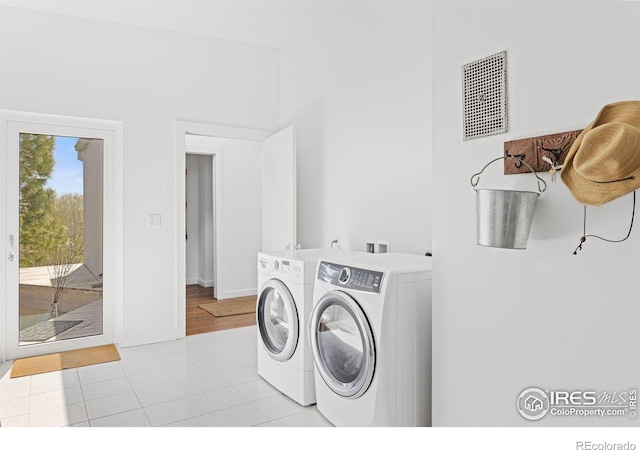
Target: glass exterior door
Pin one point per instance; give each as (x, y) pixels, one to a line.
(59, 275)
(342, 344)
(277, 320)
(59, 244)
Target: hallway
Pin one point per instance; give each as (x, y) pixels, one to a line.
(200, 321)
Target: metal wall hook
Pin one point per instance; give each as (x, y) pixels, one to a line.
(520, 159)
(541, 187)
(555, 153)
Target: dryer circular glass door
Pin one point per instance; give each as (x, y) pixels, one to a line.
(342, 344)
(277, 320)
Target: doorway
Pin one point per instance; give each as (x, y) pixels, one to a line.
(259, 170)
(59, 244)
(199, 218)
(62, 176)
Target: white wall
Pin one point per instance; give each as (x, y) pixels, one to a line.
(205, 221)
(199, 220)
(356, 83)
(147, 79)
(506, 320)
(192, 220)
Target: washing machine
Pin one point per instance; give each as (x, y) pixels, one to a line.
(286, 281)
(370, 335)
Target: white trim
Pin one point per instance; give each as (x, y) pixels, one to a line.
(184, 128)
(112, 134)
(199, 282)
(206, 284)
(143, 339)
(4, 243)
(239, 293)
(221, 131)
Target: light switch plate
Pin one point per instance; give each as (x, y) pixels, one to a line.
(154, 221)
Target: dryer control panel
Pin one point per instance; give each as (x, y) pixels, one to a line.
(291, 268)
(347, 277)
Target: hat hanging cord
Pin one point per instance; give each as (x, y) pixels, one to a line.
(584, 228)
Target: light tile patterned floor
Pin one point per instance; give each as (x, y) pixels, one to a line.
(205, 380)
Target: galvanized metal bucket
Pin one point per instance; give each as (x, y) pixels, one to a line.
(503, 217)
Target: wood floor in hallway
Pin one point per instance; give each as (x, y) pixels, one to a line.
(199, 321)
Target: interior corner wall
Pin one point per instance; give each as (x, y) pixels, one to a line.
(356, 83)
(192, 222)
(506, 320)
(205, 220)
(199, 221)
(148, 79)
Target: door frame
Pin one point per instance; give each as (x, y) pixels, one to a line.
(112, 223)
(184, 128)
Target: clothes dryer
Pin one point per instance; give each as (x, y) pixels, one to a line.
(370, 334)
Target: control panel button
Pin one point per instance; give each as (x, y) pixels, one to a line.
(275, 265)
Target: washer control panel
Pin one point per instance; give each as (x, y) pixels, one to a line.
(354, 278)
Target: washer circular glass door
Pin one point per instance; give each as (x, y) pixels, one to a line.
(277, 319)
(342, 344)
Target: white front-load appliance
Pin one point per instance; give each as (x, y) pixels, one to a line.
(285, 281)
(370, 334)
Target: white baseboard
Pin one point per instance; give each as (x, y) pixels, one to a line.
(238, 293)
(144, 339)
(206, 284)
(199, 282)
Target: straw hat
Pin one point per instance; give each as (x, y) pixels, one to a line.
(604, 161)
